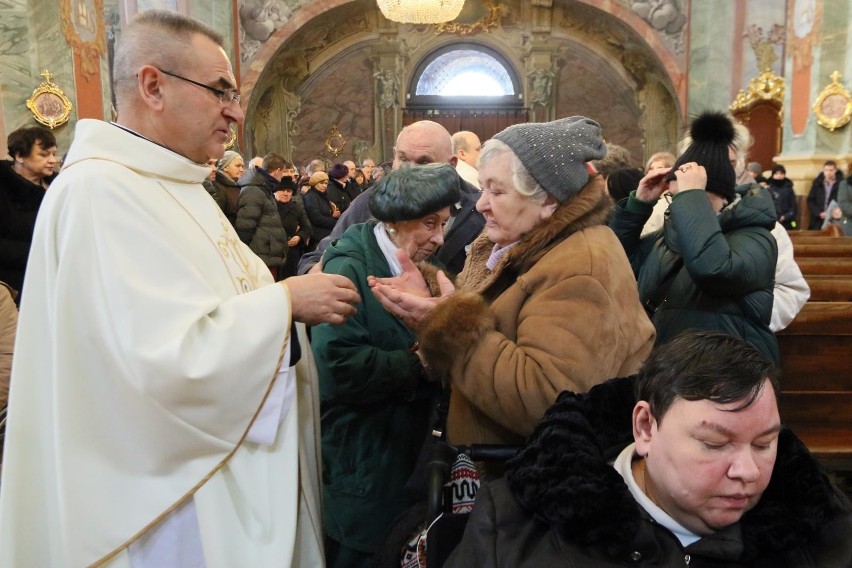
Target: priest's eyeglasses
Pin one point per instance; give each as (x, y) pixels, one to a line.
(225, 96)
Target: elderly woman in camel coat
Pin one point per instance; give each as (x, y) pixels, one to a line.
(547, 300)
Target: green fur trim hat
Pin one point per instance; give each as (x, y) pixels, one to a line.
(412, 192)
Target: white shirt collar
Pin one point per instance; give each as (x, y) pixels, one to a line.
(388, 248)
(622, 465)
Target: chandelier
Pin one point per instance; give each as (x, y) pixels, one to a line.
(420, 11)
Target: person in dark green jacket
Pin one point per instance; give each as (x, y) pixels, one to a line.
(712, 265)
(376, 401)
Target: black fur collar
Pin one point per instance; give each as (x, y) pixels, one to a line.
(563, 477)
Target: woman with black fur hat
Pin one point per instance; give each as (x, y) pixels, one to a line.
(376, 401)
(712, 264)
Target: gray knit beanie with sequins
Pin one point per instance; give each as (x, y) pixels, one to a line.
(555, 153)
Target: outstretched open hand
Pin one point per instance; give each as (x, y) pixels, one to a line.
(407, 296)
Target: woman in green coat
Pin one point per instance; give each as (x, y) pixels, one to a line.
(712, 265)
(376, 401)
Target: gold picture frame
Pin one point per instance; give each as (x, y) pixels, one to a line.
(335, 143)
(233, 138)
(833, 106)
(49, 104)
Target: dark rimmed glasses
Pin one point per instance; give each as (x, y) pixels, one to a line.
(225, 96)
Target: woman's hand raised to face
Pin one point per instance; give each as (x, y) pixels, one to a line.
(652, 185)
(691, 176)
(407, 296)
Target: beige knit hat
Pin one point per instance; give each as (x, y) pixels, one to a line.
(317, 177)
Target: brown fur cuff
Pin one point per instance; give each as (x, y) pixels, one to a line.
(452, 329)
(430, 275)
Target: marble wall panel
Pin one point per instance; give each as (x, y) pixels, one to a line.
(710, 56)
(30, 42)
(218, 14)
(603, 97)
(835, 54)
(337, 99)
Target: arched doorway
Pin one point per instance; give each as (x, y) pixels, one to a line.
(465, 86)
(349, 71)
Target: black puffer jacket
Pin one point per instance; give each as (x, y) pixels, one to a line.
(563, 504)
(20, 200)
(258, 223)
(719, 269)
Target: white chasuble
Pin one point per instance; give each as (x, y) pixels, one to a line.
(149, 343)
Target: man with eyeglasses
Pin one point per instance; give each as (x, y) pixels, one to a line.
(419, 143)
(161, 410)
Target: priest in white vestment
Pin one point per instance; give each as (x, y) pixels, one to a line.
(162, 411)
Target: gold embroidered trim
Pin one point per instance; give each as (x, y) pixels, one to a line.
(239, 444)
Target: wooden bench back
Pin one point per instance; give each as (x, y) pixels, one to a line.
(816, 351)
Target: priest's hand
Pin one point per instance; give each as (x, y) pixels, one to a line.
(322, 298)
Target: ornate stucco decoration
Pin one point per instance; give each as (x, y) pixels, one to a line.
(765, 87)
(763, 44)
(387, 88)
(541, 87)
(49, 104)
(476, 16)
(667, 17)
(83, 28)
(833, 106)
(805, 16)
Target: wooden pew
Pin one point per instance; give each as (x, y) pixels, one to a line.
(830, 288)
(832, 248)
(830, 231)
(816, 391)
(819, 240)
(816, 381)
(824, 265)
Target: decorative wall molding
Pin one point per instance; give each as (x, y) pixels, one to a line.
(83, 28)
(488, 20)
(766, 87)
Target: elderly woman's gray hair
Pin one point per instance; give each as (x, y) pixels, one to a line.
(228, 157)
(524, 183)
(556, 153)
(412, 192)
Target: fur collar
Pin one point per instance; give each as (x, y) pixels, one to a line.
(588, 208)
(563, 477)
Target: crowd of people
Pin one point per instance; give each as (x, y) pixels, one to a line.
(226, 363)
